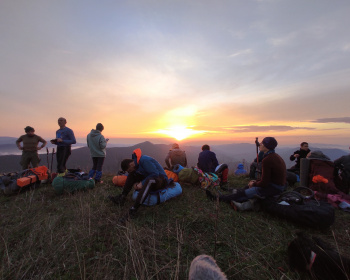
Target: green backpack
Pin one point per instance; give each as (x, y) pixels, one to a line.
(189, 175)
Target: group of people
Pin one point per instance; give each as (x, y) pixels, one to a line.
(145, 174)
(64, 140)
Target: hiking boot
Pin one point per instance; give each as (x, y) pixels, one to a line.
(244, 206)
(119, 199)
(130, 215)
(210, 196)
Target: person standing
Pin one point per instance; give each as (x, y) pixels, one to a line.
(30, 148)
(64, 139)
(97, 145)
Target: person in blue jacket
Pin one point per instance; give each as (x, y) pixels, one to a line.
(240, 170)
(64, 139)
(145, 174)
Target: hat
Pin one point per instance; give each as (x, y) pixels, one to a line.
(270, 143)
(28, 129)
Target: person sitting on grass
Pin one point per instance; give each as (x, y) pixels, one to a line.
(208, 163)
(272, 181)
(146, 174)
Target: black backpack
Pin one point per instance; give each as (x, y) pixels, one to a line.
(301, 208)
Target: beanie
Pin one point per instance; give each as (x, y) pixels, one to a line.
(270, 143)
(28, 129)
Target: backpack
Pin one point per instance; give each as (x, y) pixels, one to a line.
(300, 209)
(8, 183)
(73, 181)
(189, 175)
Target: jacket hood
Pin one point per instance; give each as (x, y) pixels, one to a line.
(240, 166)
(136, 155)
(95, 133)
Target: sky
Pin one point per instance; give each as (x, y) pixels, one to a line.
(203, 71)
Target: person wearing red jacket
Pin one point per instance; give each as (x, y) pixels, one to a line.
(272, 181)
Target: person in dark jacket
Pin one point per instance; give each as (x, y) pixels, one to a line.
(145, 175)
(297, 155)
(207, 160)
(272, 181)
(176, 156)
(97, 145)
(64, 139)
(342, 168)
(208, 163)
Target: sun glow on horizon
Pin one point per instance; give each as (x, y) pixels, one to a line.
(179, 132)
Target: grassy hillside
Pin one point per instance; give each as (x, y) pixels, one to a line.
(46, 236)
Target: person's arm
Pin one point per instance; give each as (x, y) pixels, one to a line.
(42, 141)
(18, 143)
(71, 138)
(150, 169)
(215, 160)
(265, 174)
(167, 160)
(102, 142)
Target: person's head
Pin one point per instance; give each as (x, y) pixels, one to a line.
(205, 147)
(128, 165)
(62, 122)
(268, 143)
(100, 127)
(29, 130)
(175, 146)
(304, 146)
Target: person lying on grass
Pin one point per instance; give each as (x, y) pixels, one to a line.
(146, 174)
(272, 181)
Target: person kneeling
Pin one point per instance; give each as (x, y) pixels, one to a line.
(146, 174)
(272, 181)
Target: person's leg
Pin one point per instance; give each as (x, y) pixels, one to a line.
(93, 169)
(59, 158)
(99, 164)
(25, 160)
(67, 153)
(129, 183)
(152, 184)
(34, 159)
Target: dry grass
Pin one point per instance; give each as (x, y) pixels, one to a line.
(45, 236)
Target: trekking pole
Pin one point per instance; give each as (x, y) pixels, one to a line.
(257, 149)
(47, 158)
(53, 152)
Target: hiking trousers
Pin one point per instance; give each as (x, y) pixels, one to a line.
(160, 182)
(62, 155)
(247, 193)
(29, 157)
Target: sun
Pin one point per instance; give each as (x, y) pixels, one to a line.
(179, 132)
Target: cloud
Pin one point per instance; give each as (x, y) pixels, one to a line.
(257, 128)
(333, 120)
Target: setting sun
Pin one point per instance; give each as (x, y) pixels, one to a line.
(179, 132)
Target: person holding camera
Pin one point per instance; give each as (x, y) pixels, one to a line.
(97, 145)
(64, 139)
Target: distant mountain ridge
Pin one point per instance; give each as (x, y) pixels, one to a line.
(231, 154)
